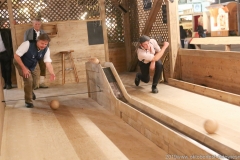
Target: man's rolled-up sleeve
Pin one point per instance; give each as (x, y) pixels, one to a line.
(23, 48)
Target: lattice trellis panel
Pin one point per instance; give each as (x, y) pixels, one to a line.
(4, 15)
(138, 18)
(114, 22)
(61, 10)
(134, 20)
(159, 30)
(54, 10)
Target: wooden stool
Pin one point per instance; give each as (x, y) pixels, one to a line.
(69, 53)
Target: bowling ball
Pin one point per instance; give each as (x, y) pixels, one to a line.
(94, 60)
(210, 126)
(54, 104)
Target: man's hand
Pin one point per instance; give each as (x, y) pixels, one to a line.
(50, 69)
(158, 55)
(26, 72)
(165, 44)
(52, 77)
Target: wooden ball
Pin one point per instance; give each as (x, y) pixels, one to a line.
(94, 60)
(210, 126)
(54, 104)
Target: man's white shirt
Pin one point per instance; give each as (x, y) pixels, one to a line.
(23, 48)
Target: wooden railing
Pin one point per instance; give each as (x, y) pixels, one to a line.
(227, 41)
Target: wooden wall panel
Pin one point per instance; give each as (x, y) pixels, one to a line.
(72, 35)
(2, 108)
(117, 55)
(215, 69)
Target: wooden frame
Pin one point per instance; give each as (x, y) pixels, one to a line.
(206, 91)
(227, 41)
(210, 73)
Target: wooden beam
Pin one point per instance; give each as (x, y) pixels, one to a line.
(2, 108)
(216, 40)
(152, 16)
(227, 47)
(122, 8)
(206, 91)
(198, 46)
(178, 68)
(206, 53)
(14, 40)
(173, 33)
(127, 35)
(104, 27)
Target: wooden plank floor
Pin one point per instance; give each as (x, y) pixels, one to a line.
(79, 129)
(82, 129)
(189, 108)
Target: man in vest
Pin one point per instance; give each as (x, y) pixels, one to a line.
(32, 34)
(26, 58)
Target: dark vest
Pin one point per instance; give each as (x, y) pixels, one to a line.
(32, 56)
(34, 35)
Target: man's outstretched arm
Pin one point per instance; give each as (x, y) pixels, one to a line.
(50, 70)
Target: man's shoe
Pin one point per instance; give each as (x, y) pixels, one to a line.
(33, 96)
(154, 90)
(8, 86)
(43, 85)
(137, 79)
(29, 105)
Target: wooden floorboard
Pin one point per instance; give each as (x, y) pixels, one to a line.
(79, 129)
(190, 109)
(82, 129)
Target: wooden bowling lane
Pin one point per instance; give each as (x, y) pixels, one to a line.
(190, 109)
(79, 129)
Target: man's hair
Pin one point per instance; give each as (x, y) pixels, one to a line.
(37, 20)
(44, 37)
(144, 38)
